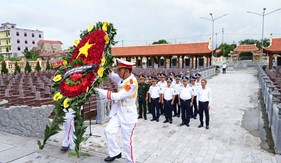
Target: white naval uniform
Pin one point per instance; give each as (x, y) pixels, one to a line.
(177, 87)
(195, 88)
(198, 84)
(123, 115)
(186, 93)
(69, 129)
(161, 84)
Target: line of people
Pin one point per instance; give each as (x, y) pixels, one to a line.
(183, 96)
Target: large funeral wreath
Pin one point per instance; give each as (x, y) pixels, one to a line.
(87, 65)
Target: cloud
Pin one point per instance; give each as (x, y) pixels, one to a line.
(142, 22)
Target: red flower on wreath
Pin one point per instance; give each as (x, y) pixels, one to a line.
(90, 51)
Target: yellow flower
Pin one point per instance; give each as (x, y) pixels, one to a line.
(106, 38)
(64, 62)
(57, 96)
(87, 90)
(103, 61)
(104, 26)
(65, 103)
(90, 28)
(57, 78)
(76, 42)
(100, 71)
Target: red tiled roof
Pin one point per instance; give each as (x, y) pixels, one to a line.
(46, 54)
(274, 47)
(201, 48)
(246, 48)
(51, 41)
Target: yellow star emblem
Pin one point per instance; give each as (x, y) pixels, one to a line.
(84, 50)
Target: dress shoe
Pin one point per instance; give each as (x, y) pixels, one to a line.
(200, 126)
(64, 149)
(139, 117)
(174, 115)
(171, 122)
(157, 120)
(152, 119)
(166, 121)
(178, 115)
(207, 127)
(194, 117)
(187, 125)
(110, 159)
(145, 118)
(182, 124)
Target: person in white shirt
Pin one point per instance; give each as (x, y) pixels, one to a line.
(185, 101)
(198, 79)
(172, 75)
(204, 101)
(224, 68)
(162, 83)
(154, 93)
(177, 87)
(195, 88)
(168, 100)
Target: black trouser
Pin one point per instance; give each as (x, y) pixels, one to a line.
(155, 106)
(185, 111)
(203, 106)
(194, 107)
(223, 70)
(176, 104)
(142, 107)
(161, 107)
(168, 109)
(149, 106)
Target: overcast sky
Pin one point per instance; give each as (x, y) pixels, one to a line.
(144, 21)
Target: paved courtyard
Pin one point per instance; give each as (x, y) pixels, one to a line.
(226, 140)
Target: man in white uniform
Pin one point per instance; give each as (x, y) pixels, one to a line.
(123, 113)
(68, 140)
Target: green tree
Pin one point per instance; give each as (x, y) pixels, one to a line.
(27, 67)
(37, 67)
(162, 41)
(31, 55)
(1, 57)
(17, 68)
(4, 69)
(48, 66)
(14, 58)
(225, 49)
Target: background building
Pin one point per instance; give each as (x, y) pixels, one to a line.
(13, 41)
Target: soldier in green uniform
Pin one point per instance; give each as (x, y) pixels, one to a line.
(149, 84)
(142, 96)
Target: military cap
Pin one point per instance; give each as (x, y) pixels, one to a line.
(178, 77)
(142, 77)
(192, 78)
(154, 78)
(185, 78)
(197, 75)
(169, 80)
(172, 73)
(162, 75)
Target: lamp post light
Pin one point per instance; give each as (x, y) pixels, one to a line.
(263, 14)
(213, 27)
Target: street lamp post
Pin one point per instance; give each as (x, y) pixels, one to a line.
(213, 27)
(262, 29)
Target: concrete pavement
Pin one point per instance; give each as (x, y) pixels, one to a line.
(225, 141)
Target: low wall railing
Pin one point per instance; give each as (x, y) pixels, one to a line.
(271, 97)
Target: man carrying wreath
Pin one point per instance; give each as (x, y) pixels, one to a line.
(123, 113)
